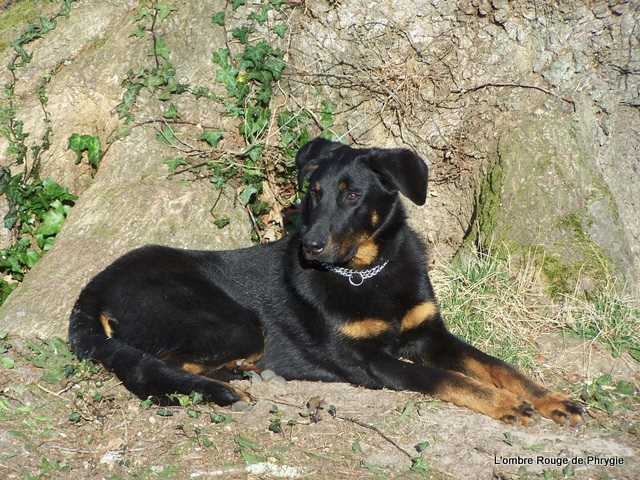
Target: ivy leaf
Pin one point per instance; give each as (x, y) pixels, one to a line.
(218, 18)
(242, 33)
(89, 143)
(31, 258)
(280, 29)
(139, 32)
(261, 16)
(52, 222)
(162, 50)
(7, 362)
(171, 112)
(212, 137)
(221, 222)
(164, 10)
(173, 163)
(246, 194)
(142, 13)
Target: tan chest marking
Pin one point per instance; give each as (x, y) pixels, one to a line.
(366, 254)
(423, 312)
(367, 328)
(106, 326)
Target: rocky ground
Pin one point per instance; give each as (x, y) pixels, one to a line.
(62, 419)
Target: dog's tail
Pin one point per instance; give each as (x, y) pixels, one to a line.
(91, 337)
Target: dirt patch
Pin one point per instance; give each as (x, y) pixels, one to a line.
(60, 418)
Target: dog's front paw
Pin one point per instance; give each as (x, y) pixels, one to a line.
(521, 414)
(561, 409)
(514, 410)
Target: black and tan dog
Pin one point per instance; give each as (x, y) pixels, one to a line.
(346, 299)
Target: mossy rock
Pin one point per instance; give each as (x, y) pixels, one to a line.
(544, 196)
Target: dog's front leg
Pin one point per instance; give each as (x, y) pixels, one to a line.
(490, 370)
(433, 344)
(450, 386)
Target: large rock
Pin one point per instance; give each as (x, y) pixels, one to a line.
(461, 82)
(130, 204)
(545, 196)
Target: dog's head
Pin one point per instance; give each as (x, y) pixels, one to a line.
(352, 195)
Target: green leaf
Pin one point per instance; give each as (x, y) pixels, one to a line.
(139, 32)
(52, 222)
(86, 143)
(212, 137)
(221, 222)
(173, 163)
(246, 194)
(218, 418)
(625, 388)
(161, 49)
(164, 10)
(275, 425)
(242, 33)
(238, 3)
(31, 258)
(167, 136)
(261, 15)
(419, 465)
(7, 362)
(218, 18)
(74, 417)
(422, 446)
(280, 29)
(171, 112)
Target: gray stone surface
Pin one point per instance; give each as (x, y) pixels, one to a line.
(130, 202)
(454, 80)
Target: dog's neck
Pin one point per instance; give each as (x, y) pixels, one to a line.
(388, 236)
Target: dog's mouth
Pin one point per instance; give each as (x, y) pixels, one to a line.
(358, 253)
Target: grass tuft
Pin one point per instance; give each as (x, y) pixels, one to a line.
(494, 305)
(607, 316)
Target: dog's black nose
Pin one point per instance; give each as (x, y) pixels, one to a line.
(313, 247)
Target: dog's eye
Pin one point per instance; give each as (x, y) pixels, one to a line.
(352, 196)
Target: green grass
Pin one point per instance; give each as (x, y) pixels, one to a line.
(483, 302)
(609, 318)
(502, 307)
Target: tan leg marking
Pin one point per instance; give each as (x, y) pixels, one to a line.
(367, 328)
(556, 406)
(106, 326)
(417, 315)
(496, 403)
(194, 368)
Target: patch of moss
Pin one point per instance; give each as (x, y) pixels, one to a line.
(489, 201)
(16, 17)
(487, 205)
(561, 277)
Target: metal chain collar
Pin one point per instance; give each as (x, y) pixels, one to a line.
(356, 277)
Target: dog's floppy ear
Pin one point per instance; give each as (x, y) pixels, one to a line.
(309, 156)
(403, 169)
